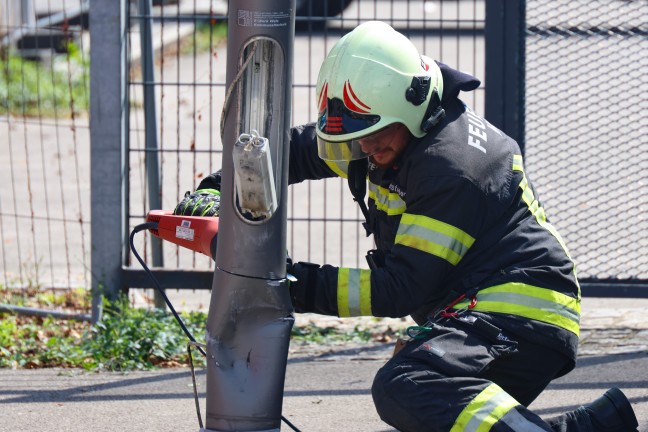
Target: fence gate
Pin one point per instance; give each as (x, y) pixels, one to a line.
(586, 134)
(44, 151)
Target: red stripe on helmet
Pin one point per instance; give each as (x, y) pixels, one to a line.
(322, 98)
(333, 124)
(332, 128)
(350, 99)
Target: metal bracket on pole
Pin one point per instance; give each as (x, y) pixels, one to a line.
(250, 315)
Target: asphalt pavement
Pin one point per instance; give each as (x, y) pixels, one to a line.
(327, 387)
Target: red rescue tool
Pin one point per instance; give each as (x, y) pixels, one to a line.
(192, 232)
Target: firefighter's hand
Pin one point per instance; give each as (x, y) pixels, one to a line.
(203, 202)
(212, 181)
(302, 291)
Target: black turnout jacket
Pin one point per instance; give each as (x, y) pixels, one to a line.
(455, 214)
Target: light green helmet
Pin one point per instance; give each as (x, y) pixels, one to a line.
(373, 77)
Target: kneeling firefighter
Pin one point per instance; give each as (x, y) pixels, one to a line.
(463, 245)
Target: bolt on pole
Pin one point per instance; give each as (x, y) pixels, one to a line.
(250, 314)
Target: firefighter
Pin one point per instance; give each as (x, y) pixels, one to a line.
(463, 245)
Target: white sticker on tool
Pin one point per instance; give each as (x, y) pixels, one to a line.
(184, 233)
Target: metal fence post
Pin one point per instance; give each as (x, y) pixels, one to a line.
(108, 130)
(27, 14)
(505, 66)
(150, 133)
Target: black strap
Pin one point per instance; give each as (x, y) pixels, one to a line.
(357, 177)
(433, 114)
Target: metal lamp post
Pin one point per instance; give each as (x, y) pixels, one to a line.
(250, 315)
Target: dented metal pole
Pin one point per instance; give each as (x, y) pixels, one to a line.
(250, 315)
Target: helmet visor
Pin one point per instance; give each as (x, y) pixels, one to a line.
(337, 120)
(340, 151)
(353, 149)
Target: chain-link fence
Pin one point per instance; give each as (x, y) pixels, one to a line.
(585, 126)
(44, 145)
(587, 129)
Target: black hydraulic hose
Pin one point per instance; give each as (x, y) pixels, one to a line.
(154, 225)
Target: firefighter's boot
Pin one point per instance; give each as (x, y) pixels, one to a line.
(612, 412)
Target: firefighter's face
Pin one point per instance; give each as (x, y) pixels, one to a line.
(385, 145)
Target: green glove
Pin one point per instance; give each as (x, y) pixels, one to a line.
(203, 202)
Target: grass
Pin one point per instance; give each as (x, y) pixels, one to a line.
(34, 89)
(126, 338)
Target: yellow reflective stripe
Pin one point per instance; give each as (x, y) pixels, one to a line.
(434, 237)
(354, 292)
(533, 204)
(339, 167)
(486, 409)
(537, 211)
(386, 201)
(518, 164)
(540, 304)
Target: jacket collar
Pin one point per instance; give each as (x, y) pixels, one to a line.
(455, 81)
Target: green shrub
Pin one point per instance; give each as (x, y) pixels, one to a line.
(126, 338)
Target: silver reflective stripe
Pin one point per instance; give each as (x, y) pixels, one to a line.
(354, 292)
(439, 238)
(434, 237)
(532, 302)
(485, 412)
(386, 201)
(518, 422)
(536, 303)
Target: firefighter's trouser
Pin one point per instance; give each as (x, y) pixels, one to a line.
(459, 375)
